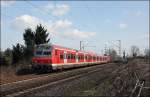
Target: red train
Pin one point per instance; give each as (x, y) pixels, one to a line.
(52, 57)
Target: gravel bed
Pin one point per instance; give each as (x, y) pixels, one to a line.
(107, 82)
(83, 86)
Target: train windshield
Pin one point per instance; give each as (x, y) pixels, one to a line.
(43, 50)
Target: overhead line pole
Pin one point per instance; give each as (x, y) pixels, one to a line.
(80, 45)
(119, 46)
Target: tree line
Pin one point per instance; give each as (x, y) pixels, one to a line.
(134, 53)
(23, 53)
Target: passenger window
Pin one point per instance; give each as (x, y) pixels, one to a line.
(61, 56)
(86, 57)
(79, 57)
(71, 56)
(55, 52)
(68, 56)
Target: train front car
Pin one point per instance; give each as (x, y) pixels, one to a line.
(42, 60)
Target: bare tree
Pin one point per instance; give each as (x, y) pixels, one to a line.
(134, 51)
(147, 52)
(113, 54)
(147, 55)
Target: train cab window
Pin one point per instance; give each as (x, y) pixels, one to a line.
(38, 52)
(47, 53)
(42, 50)
(43, 53)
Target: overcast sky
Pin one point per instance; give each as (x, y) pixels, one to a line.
(95, 22)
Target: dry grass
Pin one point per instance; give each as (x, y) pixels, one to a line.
(8, 75)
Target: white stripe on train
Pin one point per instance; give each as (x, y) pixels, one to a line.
(71, 65)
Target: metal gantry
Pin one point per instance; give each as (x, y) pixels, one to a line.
(116, 45)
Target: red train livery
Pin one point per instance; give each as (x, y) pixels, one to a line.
(53, 57)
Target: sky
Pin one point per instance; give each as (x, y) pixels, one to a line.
(96, 23)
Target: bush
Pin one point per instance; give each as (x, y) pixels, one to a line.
(8, 60)
(23, 70)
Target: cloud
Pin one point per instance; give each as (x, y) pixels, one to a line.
(62, 28)
(25, 21)
(122, 25)
(136, 13)
(7, 3)
(57, 9)
(62, 24)
(75, 33)
(65, 29)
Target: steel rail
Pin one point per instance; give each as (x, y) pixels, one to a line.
(25, 81)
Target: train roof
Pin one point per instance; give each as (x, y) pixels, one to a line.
(74, 50)
(79, 51)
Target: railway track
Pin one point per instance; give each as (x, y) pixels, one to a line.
(20, 88)
(102, 76)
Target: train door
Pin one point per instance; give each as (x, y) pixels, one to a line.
(56, 60)
(84, 57)
(76, 57)
(65, 57)
(61, 57)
